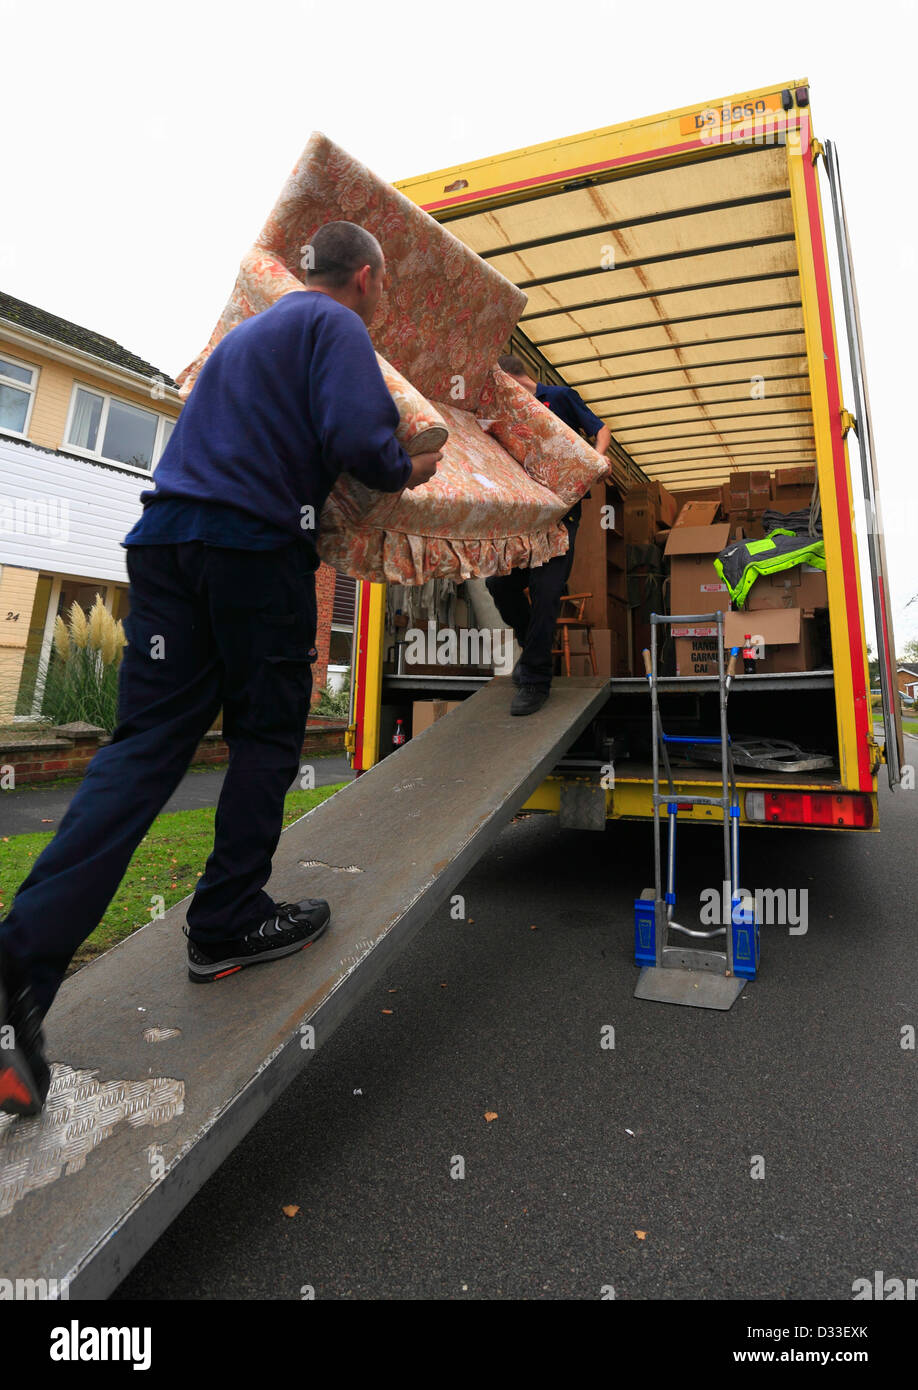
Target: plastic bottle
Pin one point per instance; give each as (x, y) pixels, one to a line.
(399, 737)
(748, 655)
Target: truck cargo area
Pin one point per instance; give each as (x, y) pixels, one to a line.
(619, 733)
(672, 282)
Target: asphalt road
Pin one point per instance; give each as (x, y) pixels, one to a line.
(503, 1013)
(41, 808)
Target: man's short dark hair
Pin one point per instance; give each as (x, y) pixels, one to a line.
(514, 365)
(340, 248)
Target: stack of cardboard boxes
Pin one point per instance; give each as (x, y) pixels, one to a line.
(666, 545)
(746, 499)
(694, 585)
(648, 509)
(649, 514)
(786, 612)
(792, 488)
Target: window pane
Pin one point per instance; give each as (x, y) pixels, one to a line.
(86, 416)
(339, 648)
(14, 406)
(15, 373)
(129, 435)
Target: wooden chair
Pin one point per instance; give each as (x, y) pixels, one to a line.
(574, 620)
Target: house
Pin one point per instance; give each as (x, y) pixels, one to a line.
(907, 679)
(83, 423)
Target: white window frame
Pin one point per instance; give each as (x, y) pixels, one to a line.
(333, 669)
(107, 397)
(20, 386)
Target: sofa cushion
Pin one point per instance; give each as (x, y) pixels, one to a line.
(422, 429)
(481, 514)
(548, 449)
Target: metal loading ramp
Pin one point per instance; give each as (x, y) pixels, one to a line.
(156, 1080)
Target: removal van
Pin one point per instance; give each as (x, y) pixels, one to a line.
(678, 278)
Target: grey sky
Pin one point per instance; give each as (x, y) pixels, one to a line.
(144, 145)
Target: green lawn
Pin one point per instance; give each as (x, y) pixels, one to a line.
(910, 726)
(167, 863)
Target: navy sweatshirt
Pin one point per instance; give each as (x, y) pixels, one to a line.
(286, 401)
(567, 405)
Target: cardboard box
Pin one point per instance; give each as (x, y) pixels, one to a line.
(580, 651)
(667, 505)
(696, 514)
(749, 480)
(749, 491)
(775, 626)
(610, 646)
(696, 655)
(647, 508)
(427, 712)
(640, 517)
(750, 524)
(792, 500)
(792, 488)
(791, 641)
(801, 587)
(804, 656)
(695, 586)
(699, 494)
(802, 475)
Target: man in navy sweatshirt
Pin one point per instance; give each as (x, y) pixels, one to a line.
(534, 619)
(222, 615)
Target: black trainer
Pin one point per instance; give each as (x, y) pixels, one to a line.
(293, 927)
(528, 699)
(24, 1073)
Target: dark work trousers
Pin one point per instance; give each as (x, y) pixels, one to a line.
(207, 627)
(535, 619)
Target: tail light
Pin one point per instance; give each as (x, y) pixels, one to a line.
(842, 811)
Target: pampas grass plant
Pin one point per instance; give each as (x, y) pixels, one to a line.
(81, 676)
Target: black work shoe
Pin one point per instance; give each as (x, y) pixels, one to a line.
(515, 675)
(292, 927)
(528, 699)
(24, 1074)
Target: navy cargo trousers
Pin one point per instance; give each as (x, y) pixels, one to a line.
(208, 627)
(534, 620)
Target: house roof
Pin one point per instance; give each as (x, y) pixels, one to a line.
(35, 320)
(910, 666)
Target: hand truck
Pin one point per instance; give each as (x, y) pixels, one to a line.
(705, 978)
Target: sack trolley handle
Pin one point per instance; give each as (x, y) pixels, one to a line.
(728, 800)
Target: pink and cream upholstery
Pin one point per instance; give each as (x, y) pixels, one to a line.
(510, 470)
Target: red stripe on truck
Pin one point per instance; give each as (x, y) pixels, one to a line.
(361, 676)
(843, 497)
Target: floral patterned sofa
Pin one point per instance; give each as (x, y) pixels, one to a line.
(510, 468)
